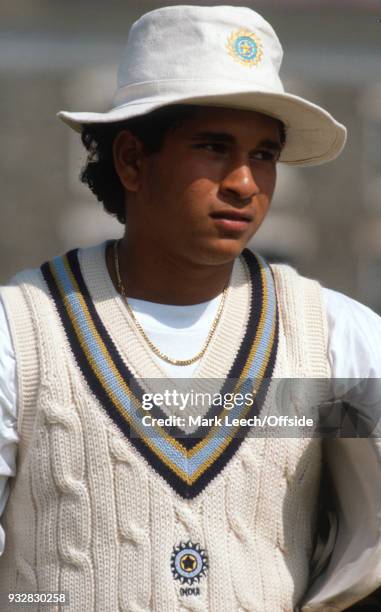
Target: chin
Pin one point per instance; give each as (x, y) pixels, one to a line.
(222, 251)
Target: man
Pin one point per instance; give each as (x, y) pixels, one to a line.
(127, 495)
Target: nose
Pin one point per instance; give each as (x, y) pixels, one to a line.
(239, 183)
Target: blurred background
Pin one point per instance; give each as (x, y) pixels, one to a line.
(63, 55)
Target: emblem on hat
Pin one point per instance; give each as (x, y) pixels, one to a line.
(245, 47)
(189, 562)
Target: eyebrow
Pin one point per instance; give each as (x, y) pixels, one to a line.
(225, 137)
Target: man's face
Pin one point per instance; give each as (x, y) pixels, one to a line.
(205, 194)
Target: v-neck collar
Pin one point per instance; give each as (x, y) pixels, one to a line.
(215, 364)
(188, 464)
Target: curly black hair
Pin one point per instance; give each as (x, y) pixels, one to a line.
(99, 171)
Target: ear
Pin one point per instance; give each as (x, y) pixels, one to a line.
(127, 153)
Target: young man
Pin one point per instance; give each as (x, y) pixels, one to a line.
(127, 495)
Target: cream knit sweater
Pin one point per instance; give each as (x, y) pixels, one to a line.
(87, 513)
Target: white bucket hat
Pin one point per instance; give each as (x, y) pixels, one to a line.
(215, 56)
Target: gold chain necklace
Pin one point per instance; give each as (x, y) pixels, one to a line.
(154, 349)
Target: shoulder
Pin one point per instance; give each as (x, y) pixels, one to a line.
(36, 277)
(302, 320)
(13, 295)
(7, 370)
(354, 336)
(353, 329)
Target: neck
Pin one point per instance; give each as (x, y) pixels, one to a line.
(165, 280)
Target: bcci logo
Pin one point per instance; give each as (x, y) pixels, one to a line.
(245, 47)
(188, 563)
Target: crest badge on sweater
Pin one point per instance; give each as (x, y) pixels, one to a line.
(189, 564)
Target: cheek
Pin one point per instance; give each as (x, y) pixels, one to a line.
(267, 186)
(194, 199)
(266, 180)
(262, 208)
(200, 190)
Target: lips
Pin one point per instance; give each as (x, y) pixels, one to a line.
(231, 220)
(231, 215)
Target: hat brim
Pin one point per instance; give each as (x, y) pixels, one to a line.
(313, 136)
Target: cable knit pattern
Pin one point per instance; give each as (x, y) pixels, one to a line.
(105, 543)
(162, 540)
(241, 498)
(132, 509)
(188, 527)
(88, 515)
(73, 519)
(217, 542)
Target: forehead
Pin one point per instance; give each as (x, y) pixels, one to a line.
(231, 121)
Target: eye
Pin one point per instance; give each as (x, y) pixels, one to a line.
(266, 155)
(213, 147)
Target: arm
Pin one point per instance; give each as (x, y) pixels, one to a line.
(8, 415)
(354, 569)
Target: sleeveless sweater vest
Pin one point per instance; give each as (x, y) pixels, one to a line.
(125, 520)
